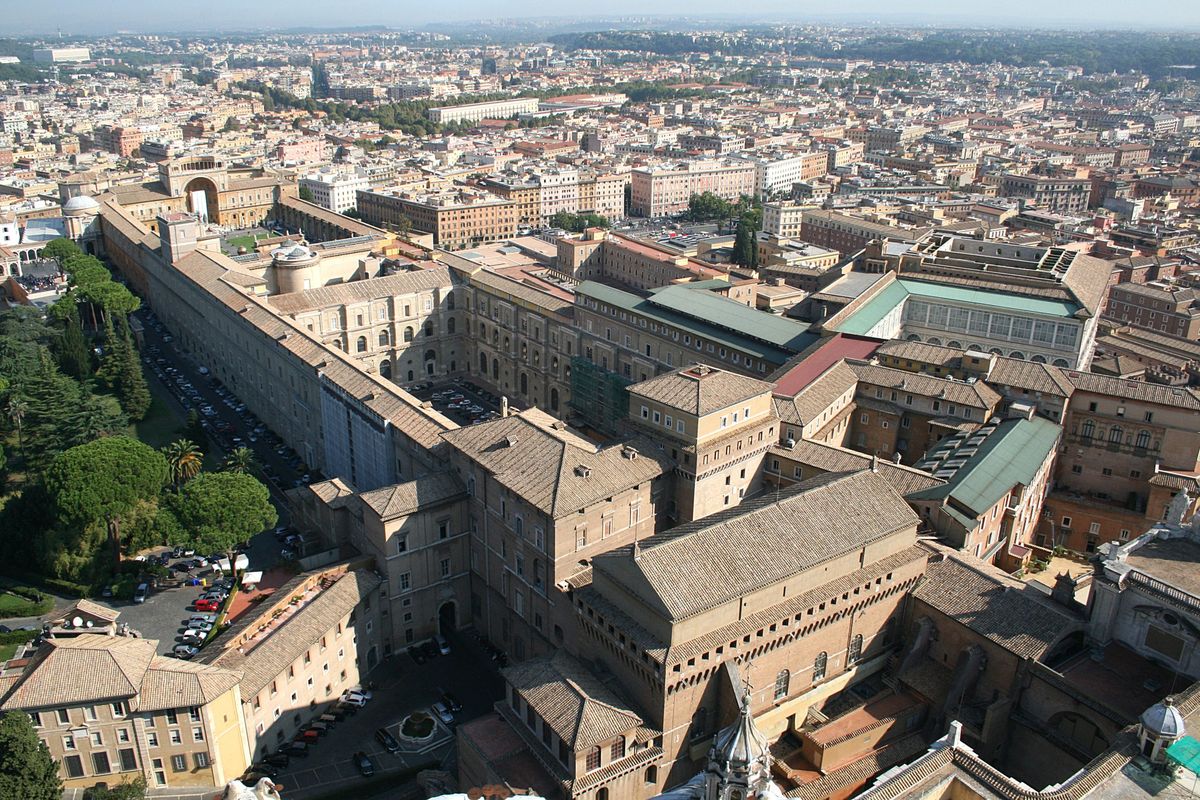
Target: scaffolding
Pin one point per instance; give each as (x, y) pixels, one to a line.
(597, 395)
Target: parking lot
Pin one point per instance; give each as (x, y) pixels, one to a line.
(399, 686)
(460, 400)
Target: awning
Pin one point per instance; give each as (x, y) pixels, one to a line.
(252, 578)
(1186, 753)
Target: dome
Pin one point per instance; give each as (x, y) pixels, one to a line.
(293, 253)
(1163, 720)
(80, 205)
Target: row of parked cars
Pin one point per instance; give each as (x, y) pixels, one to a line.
(200, 624)
(349, 703)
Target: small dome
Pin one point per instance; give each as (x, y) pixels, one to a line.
(80, 205)
(293, 252)
(1163, 720)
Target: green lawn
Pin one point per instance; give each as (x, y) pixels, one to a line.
(161, 425)
(246, 241)
(7, 651)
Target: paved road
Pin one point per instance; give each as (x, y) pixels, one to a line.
(400, 687)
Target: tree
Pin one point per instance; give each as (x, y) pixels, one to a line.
(184, 460)
(103, 480)
(240, 459)
(232, 124)
(132, 390)
(134, 789)
(60, 250)
(27, 770)
(744, 246)
(306, 194)
(74, 353)
(221, 509)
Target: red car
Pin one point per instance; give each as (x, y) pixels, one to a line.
(308, 737)
(207, 605)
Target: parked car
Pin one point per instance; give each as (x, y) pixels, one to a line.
(418, 655)
(192, 635)
(307, 737)
(185, 651)
(451, 702)
(356, 699)
(443, 713)
(261, 770)
(277, 760)
(388, 741)
(211, 619)
(442, 645)
(203, 626)
(205, 604)
(320, 727)
(141, 593)
(298, 749)
(364, 764)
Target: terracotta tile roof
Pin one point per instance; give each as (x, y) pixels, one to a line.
(829, 458)
(263, 663)
(425, 492)
(995, 606)
(1134, 390)
(974, 395)
(811, 401)
(704, 563)
(580, 709)
(94, 668)
(555, 470)
(699, 389)
(422, 280)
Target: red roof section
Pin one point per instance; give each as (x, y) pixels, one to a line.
(834, 349)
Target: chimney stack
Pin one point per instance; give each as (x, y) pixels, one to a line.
(503, 407)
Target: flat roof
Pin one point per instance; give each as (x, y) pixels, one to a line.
(1172, 561)
(824, 356)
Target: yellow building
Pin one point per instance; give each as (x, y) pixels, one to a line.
(110, 709)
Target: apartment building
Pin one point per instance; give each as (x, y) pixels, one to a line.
(123, 141)
(848, 234)
(784, 218)
(474, 112)
(1056, 195)
(298, 651)
(776, 174)
(110, 709)
(458, 218)
(337, 191)
(666, 190)
(1157, 306)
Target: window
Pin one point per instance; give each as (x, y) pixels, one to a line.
(152, 739)
(201, 760)
(68, 742)
(361, 345)
(179, 763)
(593, 759)
(176, 737)
(819, 665)
(652, 774)
(128, 759)
(699, 723)
(100, 765)
(97, 739)
(405, 582)
(617, 750)
(1143, 440)
(1066, 522)
(854, 652)
(444, 529)
(781, 684)
(1115, 435)
(445, 567)
(74, 766)
(198, 733)
(64, 717)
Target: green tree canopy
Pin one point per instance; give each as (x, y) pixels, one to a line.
(220, 509)
(27, 770)
(104, 479)
(60, 250)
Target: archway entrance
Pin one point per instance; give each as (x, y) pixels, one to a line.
(202, 200)
(447, 618)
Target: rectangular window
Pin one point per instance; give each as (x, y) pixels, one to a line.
(73, 766)
(197, 734)
(445, 567)
(128, 759)
(64, 717)
(201, 760)
(100, 765)
(179, 763)
(405, 582)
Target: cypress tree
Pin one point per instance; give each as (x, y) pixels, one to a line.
(132, 389)
(74, 353)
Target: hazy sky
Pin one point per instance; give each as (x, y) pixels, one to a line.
(105, 16)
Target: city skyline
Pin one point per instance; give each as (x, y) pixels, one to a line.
(136, 16)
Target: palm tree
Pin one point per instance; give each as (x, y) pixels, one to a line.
(16, 411)
(185, 460)
(240, 459)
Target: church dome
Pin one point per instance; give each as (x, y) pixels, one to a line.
(1163, 720)
(293, 254)
(81, 205)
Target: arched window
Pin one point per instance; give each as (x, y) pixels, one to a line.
(1143, 440)
(1088, 430)
(408, 334)
(935, 341)
(1061, 362)
(361, 346)
(955, 344)
(1038, 359)
(450, 301)
(495, 370)
(554, 399)
(652, 774)
(1116, 435)
(383, 338)
(385, 368)
(450, 325)
(483, 363)
(1017, 354)
(854, 653)
(593, 758)
(618, 749)
(781, 684)
(429, 327)
(524, 383)
(819, 664)
(602, 793)
(410, 376)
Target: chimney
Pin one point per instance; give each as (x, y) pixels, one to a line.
(874, 463)
(503, 407)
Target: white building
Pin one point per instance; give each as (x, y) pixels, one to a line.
(776, 174)
(62, 55)
(783, 219)
(473, 112)
(336, 191)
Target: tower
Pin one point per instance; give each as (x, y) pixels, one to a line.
(739, 763)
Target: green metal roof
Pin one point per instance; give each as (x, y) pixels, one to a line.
(897, 292)
(724, 321)
(1186, 753)
(873, 310)
(1011, 455)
